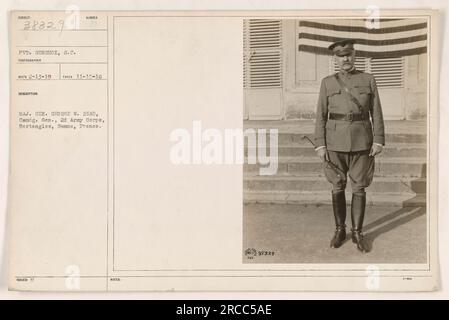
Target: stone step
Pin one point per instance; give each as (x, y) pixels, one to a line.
(319, 183)
(324, 198)
(392, 167)
(390, 138)
(396, 131)
(394, 150)
(308, 126)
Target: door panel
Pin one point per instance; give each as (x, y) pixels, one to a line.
(264, 104)
(392, 103)
(263, 69)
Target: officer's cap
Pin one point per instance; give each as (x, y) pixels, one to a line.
(342, 47)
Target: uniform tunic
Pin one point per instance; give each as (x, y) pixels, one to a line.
(349, 142)
(346, 136)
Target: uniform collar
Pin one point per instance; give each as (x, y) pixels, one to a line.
(349, 73)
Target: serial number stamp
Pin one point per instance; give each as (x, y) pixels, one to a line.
(251, 253)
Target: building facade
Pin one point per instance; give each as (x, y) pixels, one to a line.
(284, 66)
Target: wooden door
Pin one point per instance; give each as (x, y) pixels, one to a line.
(263, 69)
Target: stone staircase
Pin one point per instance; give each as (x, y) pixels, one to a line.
(400, 174)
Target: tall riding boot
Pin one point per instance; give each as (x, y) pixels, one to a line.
(357, 216)
(339, 207)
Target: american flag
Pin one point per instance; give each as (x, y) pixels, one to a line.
(392, 38)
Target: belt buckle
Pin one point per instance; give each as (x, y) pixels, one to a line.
(350, 116)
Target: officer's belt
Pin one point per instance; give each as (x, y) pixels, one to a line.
(349, 116)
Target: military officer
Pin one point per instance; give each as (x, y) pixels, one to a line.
(349, 133)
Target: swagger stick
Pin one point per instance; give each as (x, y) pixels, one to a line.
(332, 165)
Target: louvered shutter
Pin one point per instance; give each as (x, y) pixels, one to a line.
(389, 72)
(262, 53)
(246, 54)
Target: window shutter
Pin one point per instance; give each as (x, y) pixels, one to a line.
(389, 72)
(262, 53)
(246, 54)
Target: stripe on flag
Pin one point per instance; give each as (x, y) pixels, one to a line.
(394, 37)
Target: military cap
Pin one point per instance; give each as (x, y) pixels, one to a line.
(342, 47)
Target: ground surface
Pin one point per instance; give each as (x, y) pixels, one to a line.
(301, 234)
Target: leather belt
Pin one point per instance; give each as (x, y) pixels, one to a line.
(349, 116)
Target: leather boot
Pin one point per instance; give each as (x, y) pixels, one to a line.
(339, 207)
(357, 215)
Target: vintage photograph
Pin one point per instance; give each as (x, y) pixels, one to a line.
(224, 151)
(340, 108)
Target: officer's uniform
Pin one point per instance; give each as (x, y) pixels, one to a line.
(349, 142)
(348, 126)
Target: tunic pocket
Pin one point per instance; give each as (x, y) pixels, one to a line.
(363, 89)
(333, 97)
(330, 132)
(333, 91)
(364, 96)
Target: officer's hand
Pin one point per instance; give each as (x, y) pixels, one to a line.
(375, 150)
(322, 153)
